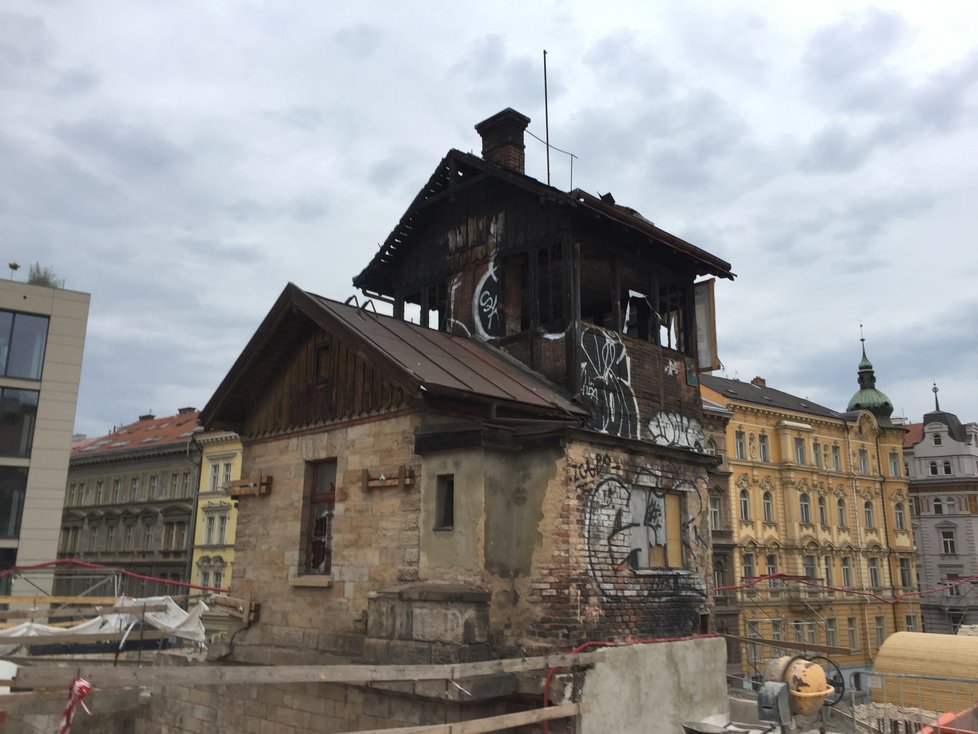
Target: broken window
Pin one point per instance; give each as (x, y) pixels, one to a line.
(321, 504)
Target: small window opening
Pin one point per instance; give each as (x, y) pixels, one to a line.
(445, 502)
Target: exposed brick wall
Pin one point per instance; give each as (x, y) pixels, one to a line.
(583, 587)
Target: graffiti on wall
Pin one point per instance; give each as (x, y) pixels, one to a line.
(675, 429)
(626, 517)
(606, 383)
(487, 314)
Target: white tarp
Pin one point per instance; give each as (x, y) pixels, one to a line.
(174, 621)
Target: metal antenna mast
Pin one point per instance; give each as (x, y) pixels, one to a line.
(546, 114)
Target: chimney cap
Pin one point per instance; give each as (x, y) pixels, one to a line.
(506, 115)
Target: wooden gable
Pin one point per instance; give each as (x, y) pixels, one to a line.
(302, 368)
(324, 378)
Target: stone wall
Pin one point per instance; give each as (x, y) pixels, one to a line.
(113, 712)
(375, 539)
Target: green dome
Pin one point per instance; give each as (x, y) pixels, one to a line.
(868, 397)
(872, 400)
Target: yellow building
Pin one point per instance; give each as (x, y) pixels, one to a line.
(216, 514)
(821, 497)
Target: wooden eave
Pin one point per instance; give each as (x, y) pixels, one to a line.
(270, 346)
(377, 277)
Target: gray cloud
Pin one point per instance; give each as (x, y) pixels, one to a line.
(852, 48)
(126, 148)
(183, 165)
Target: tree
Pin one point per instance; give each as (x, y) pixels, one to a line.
(42, 275)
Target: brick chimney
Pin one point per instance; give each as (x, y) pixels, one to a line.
(502, 138)
(759, 382)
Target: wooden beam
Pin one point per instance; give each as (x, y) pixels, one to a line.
(106, 676)
(36, 600)
(78, 610)
(68, 638)
(489, 724)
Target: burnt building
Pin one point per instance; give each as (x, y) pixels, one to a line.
(523, 469)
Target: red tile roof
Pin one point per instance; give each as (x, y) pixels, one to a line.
(148, 432)
(914, 434)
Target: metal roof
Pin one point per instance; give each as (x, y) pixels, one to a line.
(438, 361)
(762, 395)
(422, 360)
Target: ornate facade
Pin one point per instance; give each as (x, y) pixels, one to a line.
(819, 497)
(129, 503)
(942, 460)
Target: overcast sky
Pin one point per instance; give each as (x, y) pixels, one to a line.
(183, 161)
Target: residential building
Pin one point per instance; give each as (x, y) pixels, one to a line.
(216, 516)
(726, 612)
(42, 338)
(941, 456)
(523, 470)
(821, 497)
(129, 503)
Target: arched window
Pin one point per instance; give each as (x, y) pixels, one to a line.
(768, 507)
(899, 517)
(840, 507)
(933, 468)
(938, 506)
(744, 506)
(823, 513)
(947, 467)
(805, 509)
(868, 510)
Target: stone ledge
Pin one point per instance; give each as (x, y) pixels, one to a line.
(312, 581)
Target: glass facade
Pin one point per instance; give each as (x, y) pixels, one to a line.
(23, 337)
(13, 483)
(18, 414)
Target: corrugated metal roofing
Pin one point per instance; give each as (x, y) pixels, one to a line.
(443, 362)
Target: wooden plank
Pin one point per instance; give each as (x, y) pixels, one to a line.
(35, 600)
(79, 610)
(68, 638)
(49, 676)
(488, 724)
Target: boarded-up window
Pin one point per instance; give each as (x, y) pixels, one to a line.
(656, 532)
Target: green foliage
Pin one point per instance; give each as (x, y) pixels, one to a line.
(42, 275)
